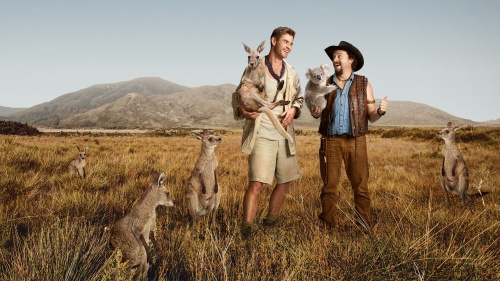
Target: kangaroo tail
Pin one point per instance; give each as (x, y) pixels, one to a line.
(276, 123)
(479, 194)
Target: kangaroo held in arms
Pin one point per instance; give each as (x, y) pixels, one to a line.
(131, 234)
(252, 95)
(203, 191)
(454, 174)
(77, 166)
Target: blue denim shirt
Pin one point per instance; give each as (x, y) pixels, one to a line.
(340, 109)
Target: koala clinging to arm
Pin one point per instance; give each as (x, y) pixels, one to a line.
(316, 88)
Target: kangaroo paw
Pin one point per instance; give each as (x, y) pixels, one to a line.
(216, 188)
(203, 187)
(283, 102)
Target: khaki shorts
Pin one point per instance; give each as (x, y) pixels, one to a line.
(271, 158)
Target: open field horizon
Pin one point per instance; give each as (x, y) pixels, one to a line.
(53, 224)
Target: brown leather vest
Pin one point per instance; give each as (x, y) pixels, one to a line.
(357, 107)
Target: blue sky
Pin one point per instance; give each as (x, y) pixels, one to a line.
(441, 53)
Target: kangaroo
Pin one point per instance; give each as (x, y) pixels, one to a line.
(131, 234)
(252, 91)
(454, 174)
(77, 166)
(203, 191)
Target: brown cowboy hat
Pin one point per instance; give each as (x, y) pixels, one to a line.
(348, 47)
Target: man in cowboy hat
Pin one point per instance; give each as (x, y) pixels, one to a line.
(344, 123)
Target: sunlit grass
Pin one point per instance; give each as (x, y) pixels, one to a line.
(52, 225)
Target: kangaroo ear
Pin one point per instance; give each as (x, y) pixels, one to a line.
(161, 179)
(85, 148)
(261, 46)
(197, 135)
(456, 128)
(450, 125)
(154, 178)
(247, 49)
(77, 147)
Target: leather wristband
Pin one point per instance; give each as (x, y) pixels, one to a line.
(378, 112)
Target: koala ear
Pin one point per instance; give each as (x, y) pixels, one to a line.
(325, 67)
(308, 73)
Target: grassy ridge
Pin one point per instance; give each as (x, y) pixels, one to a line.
(53, 225)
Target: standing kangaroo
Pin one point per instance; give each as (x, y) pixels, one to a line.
(132, 233)
(454, 174)
(77, 166)
(203, 191)
(252, 90)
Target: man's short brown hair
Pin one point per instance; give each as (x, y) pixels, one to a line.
(279, 31)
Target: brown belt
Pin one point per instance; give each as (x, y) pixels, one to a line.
(343, 136)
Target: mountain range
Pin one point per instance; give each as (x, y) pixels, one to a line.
(154, 103)
(4, 111)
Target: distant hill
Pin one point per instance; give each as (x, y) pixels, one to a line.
(401, 113)
(51, 113)
(493, 122)
(4, 111)
(207, 106)
(418, 114)
(154, 103)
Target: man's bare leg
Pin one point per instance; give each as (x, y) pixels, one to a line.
(276, 202)
(250, 205)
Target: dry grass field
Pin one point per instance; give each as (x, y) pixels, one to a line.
(52, 225)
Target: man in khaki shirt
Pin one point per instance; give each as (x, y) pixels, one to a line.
(271, 155)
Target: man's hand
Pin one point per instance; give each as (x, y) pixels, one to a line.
(316, 111)
(382, 106)
(247, 114)
(288, 116)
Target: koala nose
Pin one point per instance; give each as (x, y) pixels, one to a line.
(318, 76)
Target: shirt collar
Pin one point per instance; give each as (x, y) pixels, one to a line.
(336, 81)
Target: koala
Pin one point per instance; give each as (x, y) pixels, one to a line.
(316, 88)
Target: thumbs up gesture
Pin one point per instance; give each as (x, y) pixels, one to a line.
(382, 106)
